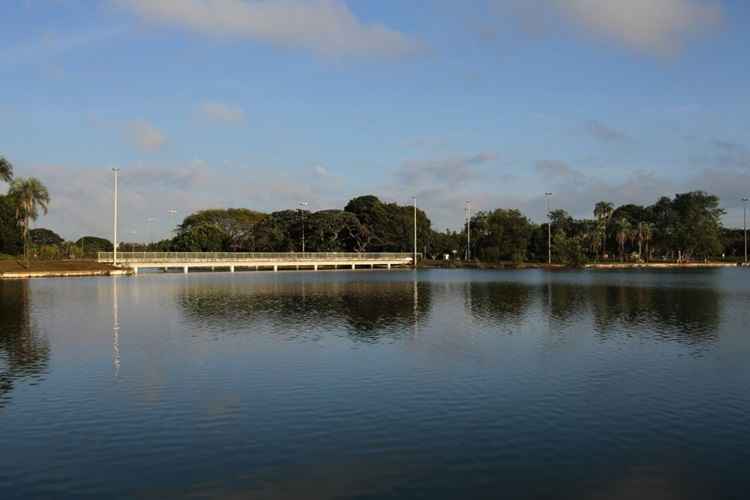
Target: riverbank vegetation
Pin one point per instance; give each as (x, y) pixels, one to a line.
(684, 228)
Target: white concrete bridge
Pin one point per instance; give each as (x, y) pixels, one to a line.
(235, 261)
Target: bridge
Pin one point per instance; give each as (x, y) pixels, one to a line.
(236, 261)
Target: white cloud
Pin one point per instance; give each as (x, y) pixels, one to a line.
(43, 47)
(145, 136)
(326, 27)
(222, 112)
(321, 172)
(652, 26)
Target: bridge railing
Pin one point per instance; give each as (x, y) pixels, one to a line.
(194, 257)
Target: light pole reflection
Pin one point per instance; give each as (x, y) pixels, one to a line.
(415, 285)
(115, 330)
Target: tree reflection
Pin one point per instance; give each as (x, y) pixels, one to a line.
(23, 353)
(368, 310)
(565, 302)
(689, 315)
(503, 302)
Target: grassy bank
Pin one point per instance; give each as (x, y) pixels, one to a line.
(456, 264)
(15, 268)
(452, 264)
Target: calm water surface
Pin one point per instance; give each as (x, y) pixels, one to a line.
(377, 385)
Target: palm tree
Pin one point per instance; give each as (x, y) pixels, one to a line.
(623, 234)
(6, 170)
(603, 212)
(647, 234)
(29, 195)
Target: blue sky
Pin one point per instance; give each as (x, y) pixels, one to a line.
(263, 104)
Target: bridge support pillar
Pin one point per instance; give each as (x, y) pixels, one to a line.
(389, 266)
(231, 269)
(315, 267)
(372, 266)
(135, 270)
(275, 269)
(354, 266)
(185, 269)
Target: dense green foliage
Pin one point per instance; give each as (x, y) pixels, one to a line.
(91, 245)
(501, 235)
(6, 170)
(11, 238)
(366, 224)
(42, 236)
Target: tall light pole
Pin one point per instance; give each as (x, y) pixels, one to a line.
(467, 215)
(415, 232)
(744, 203)
(302, 214)
(549, 230)
(114, 220)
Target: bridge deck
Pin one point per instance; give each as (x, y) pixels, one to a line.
(256, 260)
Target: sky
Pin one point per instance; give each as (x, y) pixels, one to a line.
(266, 104)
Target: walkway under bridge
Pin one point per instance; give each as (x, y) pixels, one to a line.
(235, 261)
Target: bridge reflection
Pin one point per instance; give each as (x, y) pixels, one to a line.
(367, 310)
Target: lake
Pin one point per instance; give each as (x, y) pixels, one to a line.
(368, 384)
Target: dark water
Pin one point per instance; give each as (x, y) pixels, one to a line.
(377, 385)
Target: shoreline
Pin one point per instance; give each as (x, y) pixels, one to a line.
(591, 266)
(14, 269)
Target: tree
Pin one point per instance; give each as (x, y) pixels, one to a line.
(390, 227)
(698, 225)
(6, 170)
(42, 236)
(561, 221)
(333, 231)
(200, 238)
(502, 235)
(623, 229)
(236, 225)
(30, 196)
(569, 250)
(11, 239)
(603, 210)
(644, 235)
(91, 245)
(279, 232)
(603, 213)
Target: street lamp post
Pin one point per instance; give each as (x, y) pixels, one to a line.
(549, 230)
(302, 214)
(744, 218)
(114, 220)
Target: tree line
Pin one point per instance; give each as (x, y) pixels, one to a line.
(682, 228)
